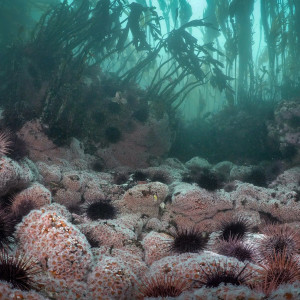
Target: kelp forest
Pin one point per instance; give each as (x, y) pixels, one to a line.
(149, 149)
(94, 69)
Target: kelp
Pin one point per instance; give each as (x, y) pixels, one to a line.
(151, 19)
(241, 12)
(189, 61)
(185, 49)
(165, 9)
(210, 15)
(185, 12)
(276, 75)
(67, 40)
(78, 31)
(71, 40)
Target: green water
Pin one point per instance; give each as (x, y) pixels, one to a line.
(216, 69)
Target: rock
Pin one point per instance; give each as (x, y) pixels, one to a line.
(145, 198)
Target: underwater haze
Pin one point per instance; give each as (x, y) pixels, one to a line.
(149, 149)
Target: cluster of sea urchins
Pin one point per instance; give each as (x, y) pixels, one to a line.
(15, 268)
(274, 253)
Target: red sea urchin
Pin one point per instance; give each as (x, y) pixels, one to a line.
(276, 270)
(162, 285)
(6, 230)
(5, 142)
(18, 270)
(279, 238)
(188, 240)
(17, 147)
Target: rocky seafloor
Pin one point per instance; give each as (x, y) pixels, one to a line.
(171, 231)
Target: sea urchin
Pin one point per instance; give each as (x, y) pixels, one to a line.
(5, 142)
(276, 270)
(100, 210)
(188, 240)
(235, 227)
(279, 238)
(224, 274)
(6, 230)
(18, 270)
(160, 286)
(234, 247)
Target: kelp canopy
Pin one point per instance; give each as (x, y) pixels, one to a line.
(58, 74)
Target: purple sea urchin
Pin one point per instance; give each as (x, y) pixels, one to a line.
(234, 247)
(140, 175)
(161, 176)
(257, 177)
(18, 270)
(209, 180)
(205, 178)
(120, 178)
(226, 274)
(235, 228)
(22, 208)
(100, 210)
(189, 240)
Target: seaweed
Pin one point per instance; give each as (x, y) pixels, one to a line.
(71, 40)
(188, 61)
